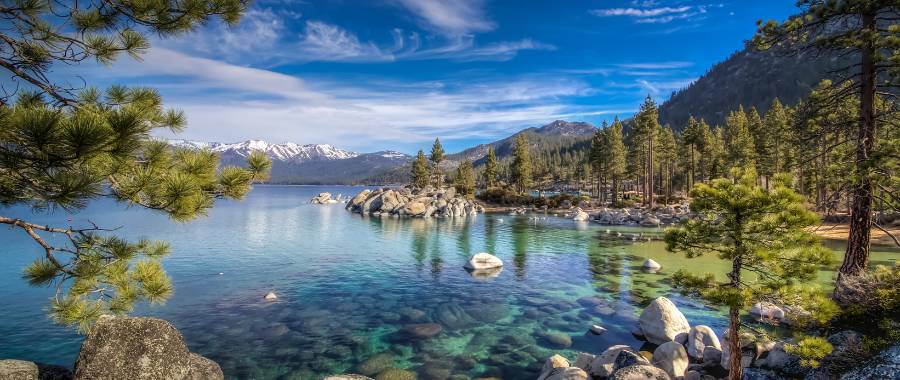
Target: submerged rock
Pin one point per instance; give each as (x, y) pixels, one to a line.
(376, 364)
(140, 348)
(651, 265)
(348, 377)
(662, 322)
(396, 374)
(270, 296)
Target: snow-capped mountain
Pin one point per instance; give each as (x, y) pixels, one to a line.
(306, 164)
(278, 152)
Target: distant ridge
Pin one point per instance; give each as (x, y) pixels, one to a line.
(306, 164)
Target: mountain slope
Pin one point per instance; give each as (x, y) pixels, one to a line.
(305, 164)
(558, 132)
(749, 78)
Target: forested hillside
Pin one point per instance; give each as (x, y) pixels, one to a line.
(748, 78)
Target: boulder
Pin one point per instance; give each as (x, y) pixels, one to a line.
(553, 365)
(357, 201)
(415, 208)
(884, 366)
(627, 358)
(640, 372)
(583, 361)
(712, 356)
(650, 221)
(423, 330)
(139, 348)
(18, 370)
(767, 310)
(321, 199)
(270, 296)
(603, 365)
(699, 338)
(483, 261)
(580, 216)
(662, 322)
(597, 329)
(571, 373)
(672, 358)
(651, 265)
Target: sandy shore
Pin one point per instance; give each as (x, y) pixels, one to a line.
(840, 232)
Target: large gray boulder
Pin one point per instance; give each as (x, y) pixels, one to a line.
(140, 348)
(640, 372)
(18, 370)
(603, 365)
(662, 322)
(672, 358)
(884, 366)
(699, 338)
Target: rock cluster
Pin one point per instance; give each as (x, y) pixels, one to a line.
(324, 199)
(427, 202)
(670, 214)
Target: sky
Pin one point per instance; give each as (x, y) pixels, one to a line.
(371, 75)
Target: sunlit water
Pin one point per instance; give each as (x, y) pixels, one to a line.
(348, 285)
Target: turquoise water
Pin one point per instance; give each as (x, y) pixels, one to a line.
(349, 287)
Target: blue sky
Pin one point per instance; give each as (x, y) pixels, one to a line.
(394, 74)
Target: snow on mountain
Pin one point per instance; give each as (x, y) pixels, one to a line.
(281, 152)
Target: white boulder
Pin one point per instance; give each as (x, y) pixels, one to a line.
(662, 322)
(699, 338)
(484, 260)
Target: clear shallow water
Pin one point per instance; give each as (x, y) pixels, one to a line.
(348, 287)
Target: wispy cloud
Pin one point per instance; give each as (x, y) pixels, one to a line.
(452, 17)
(326, 42)
(657, 65)
(265, 104)
(649, 12)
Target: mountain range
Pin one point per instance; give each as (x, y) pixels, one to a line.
(306, 164)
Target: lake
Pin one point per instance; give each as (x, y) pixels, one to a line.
(349, 286)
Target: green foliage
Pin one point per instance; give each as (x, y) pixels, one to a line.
(421, 175)
(521, 166)
(738, 140)
(810, 350)
(465, 179)
(491, 168)
(436, 157)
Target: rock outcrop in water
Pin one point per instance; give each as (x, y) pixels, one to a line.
(140, 348)
(324, 199)
(670, 214)
(424, 203)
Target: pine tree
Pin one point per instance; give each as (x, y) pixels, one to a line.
(763, 235)
(521, 165)
(436, 157)
(869, 32)
(617, 152)
(763, 157)
(646, 128)
(598, 158)
(692, 137)
(716, 154)
(61, 149)
(491, 168)
(421, 174)
(781, 139)
(667, 152)
(465, 179)
(738, 140)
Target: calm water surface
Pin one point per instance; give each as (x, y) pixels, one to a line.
(348, 285)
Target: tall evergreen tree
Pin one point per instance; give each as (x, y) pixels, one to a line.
(869, 32)
(421, 174)
(521, 165)
(762, 234)
(436, 158)
(693, 138)
(617, 152)
(465, 179)
(738, 140)
(646, 127)
(491, 168)
(667, 153)
(598, 158)
(781, 139)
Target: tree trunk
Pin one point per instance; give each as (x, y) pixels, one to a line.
(735, 371)
(857, 255)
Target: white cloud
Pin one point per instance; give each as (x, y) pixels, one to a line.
(326, 42)
(637, 12)
(657, 65)
(451, 17)
(230, 102)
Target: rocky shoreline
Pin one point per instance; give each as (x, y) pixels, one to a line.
(407, 202)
